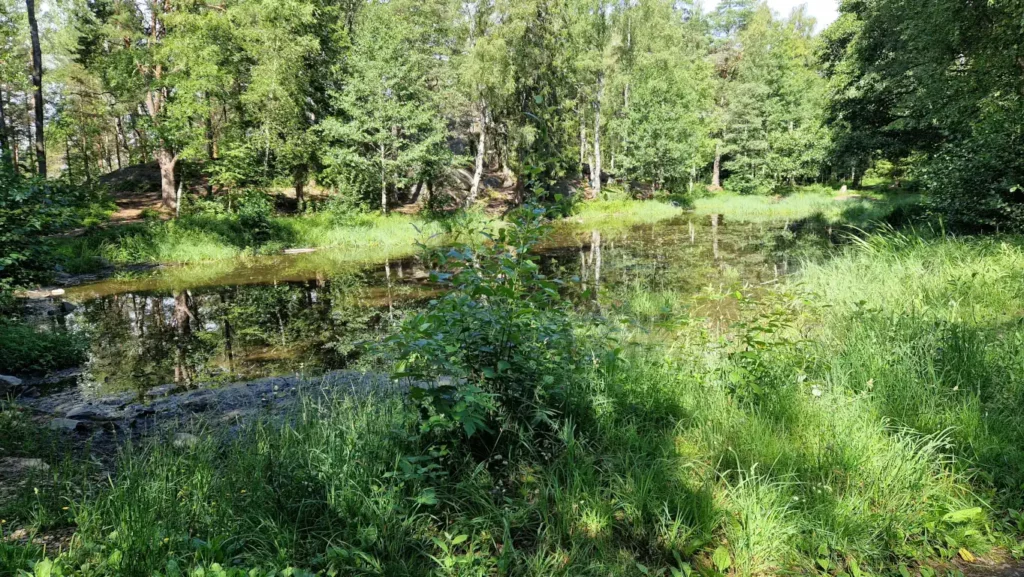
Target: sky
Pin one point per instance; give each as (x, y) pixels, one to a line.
(825, 11)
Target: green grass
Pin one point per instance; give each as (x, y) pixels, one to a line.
(861, 416)
(623, 212)
(802, 205)
(209, 238)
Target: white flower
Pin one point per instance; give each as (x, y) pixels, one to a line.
(816, 391)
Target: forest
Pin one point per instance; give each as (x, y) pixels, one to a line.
(511, 288)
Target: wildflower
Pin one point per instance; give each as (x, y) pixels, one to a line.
(816, 391)
(63, 508)
(243, 491)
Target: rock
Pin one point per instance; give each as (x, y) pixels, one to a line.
(15, 465)
(198, 402)
(91, 413)
(67, 308)
(292, 251)
(162, 391)
(117, 400)
(185, 441)
(57, 293)
(11, 382)
(67, 425)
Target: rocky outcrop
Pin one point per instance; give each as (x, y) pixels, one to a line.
(230, 404)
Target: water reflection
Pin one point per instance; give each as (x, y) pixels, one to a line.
(188, 336)
(276, 316)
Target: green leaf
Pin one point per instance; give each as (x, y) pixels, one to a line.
(721, 559)
(963, 515)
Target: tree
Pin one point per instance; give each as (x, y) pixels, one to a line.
(939, 80)
(387, 132)
(666, 96)
(37, 84)
(485, 74)
(773, 127)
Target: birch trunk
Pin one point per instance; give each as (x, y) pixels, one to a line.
(481, 153)
(716, 174)
(596, 169)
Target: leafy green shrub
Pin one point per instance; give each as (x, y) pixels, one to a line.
(493, 357)
(23, 349)
(747, 185)
(254, 212)
(31, 210)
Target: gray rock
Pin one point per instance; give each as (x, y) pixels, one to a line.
(161, 391)
(117, 400)
(68, 308)
(91, 413)
(12, 382)
(15, 465)
(67, 425)
(185, 441)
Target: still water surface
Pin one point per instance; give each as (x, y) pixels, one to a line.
(312, 313)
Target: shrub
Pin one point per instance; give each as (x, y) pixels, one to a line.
(32, 210)
(255, 211)
(23, 349)
(493, 357)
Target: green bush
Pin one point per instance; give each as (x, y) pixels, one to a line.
(24, 349)
(31, 211)
(492, 359)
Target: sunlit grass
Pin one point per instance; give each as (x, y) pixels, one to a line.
(801, 205)
(623, 212)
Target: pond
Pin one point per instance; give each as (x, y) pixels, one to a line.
(311, 313)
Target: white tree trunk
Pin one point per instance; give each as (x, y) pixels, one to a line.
(383, 184)
(595, 171)
(481, 153)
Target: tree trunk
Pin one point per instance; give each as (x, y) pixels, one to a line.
(119, 126)
(716, 173)
(67, 155)
(301, 175)
(168, 192)
(383, 184)
(481, 153)
(37, 84)
(583, 139)
(596, 169)
(5, 148)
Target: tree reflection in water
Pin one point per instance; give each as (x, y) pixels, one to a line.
(142, 340)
